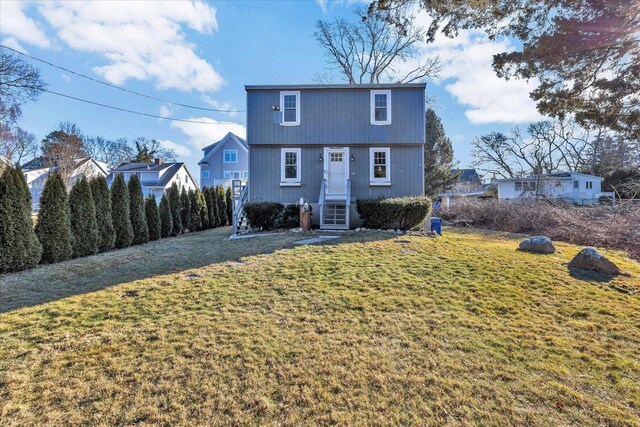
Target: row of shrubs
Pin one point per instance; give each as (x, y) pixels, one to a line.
(404, 213)
(91, 218)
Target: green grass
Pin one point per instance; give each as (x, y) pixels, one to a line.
(371, 329)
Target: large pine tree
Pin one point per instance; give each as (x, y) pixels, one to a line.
(84, 225)
(19, 246)
(185, 211)
(102, 202)
(54, 222)
(166, 221)
(120, 213)
(438, 157)
(175, 205)
(222, 205)
(136, 212)
(153, 217)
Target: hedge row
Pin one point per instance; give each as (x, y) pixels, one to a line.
(271, 216)
(404, 213)
(92, 218)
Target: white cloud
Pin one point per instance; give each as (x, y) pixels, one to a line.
(220, 105)
(180, 150)
(469, 77)
(165, 111)
(140, 40)
(200, 135)
(16, 26)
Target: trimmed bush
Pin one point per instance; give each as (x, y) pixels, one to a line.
(84, 225)
(290, 216)
(153, 217)
(19, 246)
(263, 215)
(102, 203)
(204, 211)
(54, 224)
(185, 211)
(196, 218)
(211, 208)
(176, 209)
(166, 220)
(136, 212)
(222, 205)
(229, 201)
(120, 213)
(402, 212)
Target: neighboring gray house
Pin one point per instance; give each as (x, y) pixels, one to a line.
(224, 160)
(156, 177)
(468, 181)
(334, 144)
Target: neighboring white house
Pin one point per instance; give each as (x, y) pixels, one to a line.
(572, 187)
(157, 177)
(37, 171)
(224, 160)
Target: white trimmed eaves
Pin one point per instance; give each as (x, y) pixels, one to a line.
(222, 142)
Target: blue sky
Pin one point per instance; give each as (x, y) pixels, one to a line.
(204, 53)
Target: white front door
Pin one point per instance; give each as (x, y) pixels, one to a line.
(337, 170)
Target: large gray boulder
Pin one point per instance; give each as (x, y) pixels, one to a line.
(537, 244)
(590, 259)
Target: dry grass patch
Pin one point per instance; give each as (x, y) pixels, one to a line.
(460, 330)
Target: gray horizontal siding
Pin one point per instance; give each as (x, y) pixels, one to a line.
(407, 178)
(336, 117)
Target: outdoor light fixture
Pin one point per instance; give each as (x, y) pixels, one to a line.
(275, 108)
(320, 158)
(352, 158)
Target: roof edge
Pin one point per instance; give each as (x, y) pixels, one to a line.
(337, 86)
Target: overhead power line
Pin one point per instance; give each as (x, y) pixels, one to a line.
(120, 88)
(134, 112)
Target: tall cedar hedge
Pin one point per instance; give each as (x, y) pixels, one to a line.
(229, 206)
(196, 219)
(166, 221)
(153, 217)
(204, 211)
(19, 246)
(84, 226)
(120, 213)
(136, 212)
(175, 205)
(211, 213)
(185, 211)
(102, 203)
(213, 195)
(222, 205)
(54, 224)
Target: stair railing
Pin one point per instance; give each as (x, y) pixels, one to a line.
(321, 200)
(237, 212)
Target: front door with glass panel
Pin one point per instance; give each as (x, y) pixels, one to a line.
(337, 170)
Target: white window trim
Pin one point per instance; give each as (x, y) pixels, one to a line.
(372, 107)
(297, 95)
(224, 173)
(379, 181)
(290, 181)
(224, 156)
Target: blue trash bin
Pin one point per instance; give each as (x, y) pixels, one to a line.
(436, 225)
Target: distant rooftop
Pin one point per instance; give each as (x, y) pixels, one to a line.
(337, 86)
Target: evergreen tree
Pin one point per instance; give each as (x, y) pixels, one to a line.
(54, 223)
(229, 206)
(214, 208)
(120, 213)
(211, 213)
(102, 202)
(166, 221)
(153, 217)
(136, 212)
(175, 205)
(185, 211)
(438, 157)
(84, 225)
(196, 218)
(222, 205)
(19, 246)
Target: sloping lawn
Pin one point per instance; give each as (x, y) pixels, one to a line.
(369, 329)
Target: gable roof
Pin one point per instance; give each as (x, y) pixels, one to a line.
(557, 175)
(467, 175)
(216, 145)
(38, 163)
(171, 170)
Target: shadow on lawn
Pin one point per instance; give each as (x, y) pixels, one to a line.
(51, 282)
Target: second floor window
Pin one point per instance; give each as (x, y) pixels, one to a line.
(205, 174)
(380, 107)
(589, 185)
(231, 156)
(290, 108)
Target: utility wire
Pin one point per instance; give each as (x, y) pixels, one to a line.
(117, 87)
(131, 111)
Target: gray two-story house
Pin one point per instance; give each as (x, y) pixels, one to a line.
(334, 144)
(224, 161)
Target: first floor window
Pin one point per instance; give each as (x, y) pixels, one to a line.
(589, 185)
(227, 174)
(290, 165)
(245, 174)
(236, 174)
(379, 159)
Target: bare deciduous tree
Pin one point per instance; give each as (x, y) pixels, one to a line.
(19, 83)
(112, 152)
(17, 144)
(373, 50)
(62, 148)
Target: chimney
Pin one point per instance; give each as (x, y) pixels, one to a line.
(157, 161)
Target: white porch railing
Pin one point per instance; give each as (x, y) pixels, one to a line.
(240, 192)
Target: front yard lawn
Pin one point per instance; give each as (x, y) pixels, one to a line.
(366, 329)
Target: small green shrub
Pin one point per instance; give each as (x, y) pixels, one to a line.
(263, 215)
(401, 212)
(290, 216)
